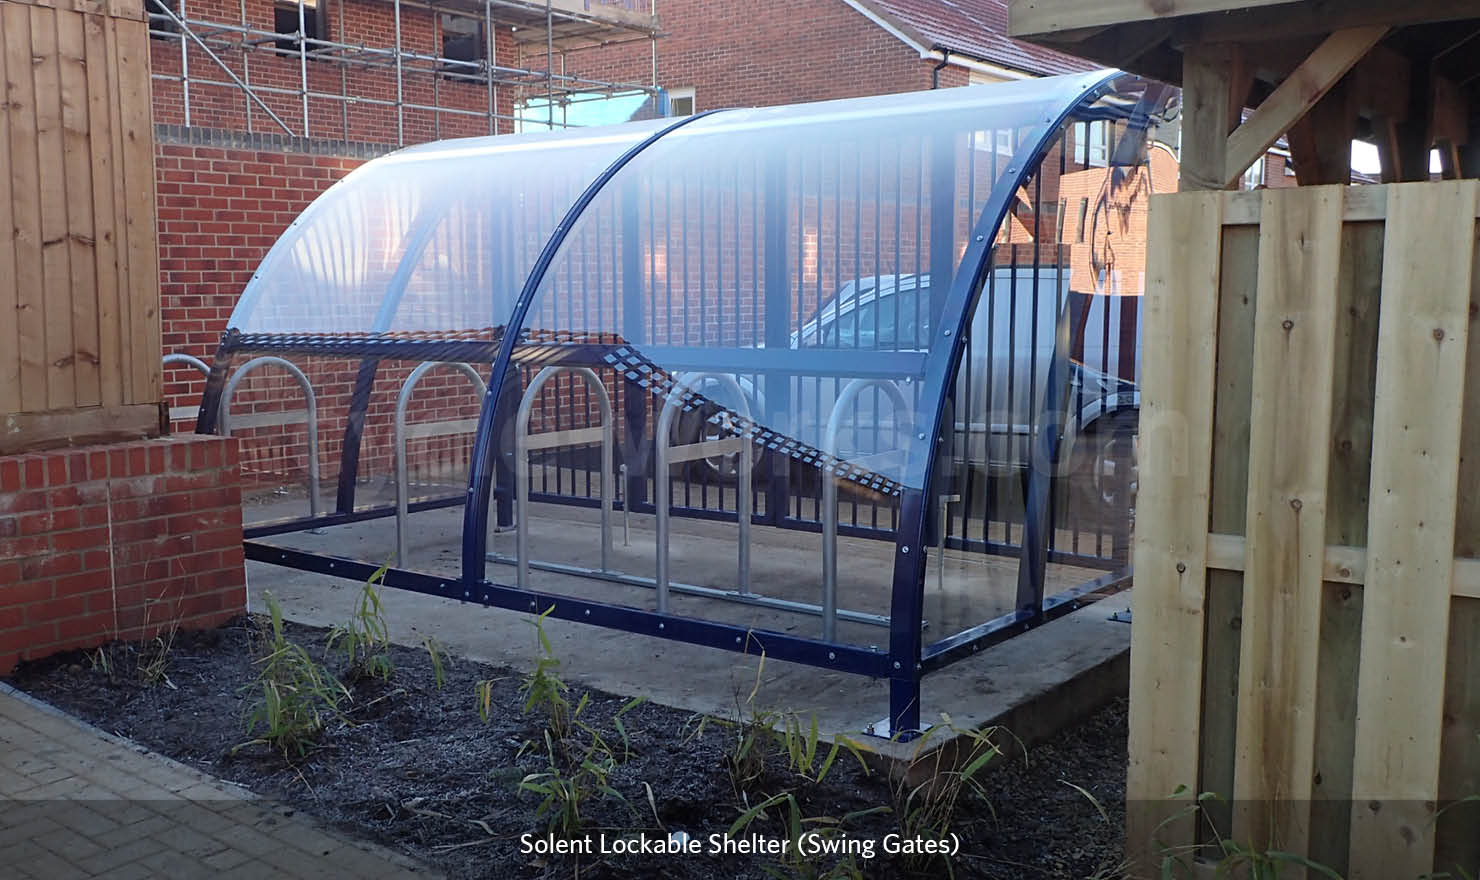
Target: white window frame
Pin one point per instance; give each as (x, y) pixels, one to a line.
(685, 93)
(1093, 150)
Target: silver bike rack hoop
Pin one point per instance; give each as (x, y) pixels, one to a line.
(830, 489)
(667, 456)
(525, 443)
(309, 415)
(422, 429)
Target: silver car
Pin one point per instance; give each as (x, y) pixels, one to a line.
(1000, 387)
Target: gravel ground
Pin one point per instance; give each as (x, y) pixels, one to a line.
(415, 767)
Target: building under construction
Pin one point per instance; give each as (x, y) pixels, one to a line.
(394, 71)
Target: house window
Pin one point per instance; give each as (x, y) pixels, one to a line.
(681, 101)
(160, 23)
(1092, 144)
(285, 22)
(1254, 177)
(463, 40)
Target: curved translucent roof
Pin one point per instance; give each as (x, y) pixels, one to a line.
(808, 252)
(436, 238)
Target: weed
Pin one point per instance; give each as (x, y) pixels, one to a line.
(801, 746)
(544, 690)
(1233, 859)
(483, 690)
(567, 785)
(101, 660)
(364, 639)
(809, 839)
(927, 794)
(761, 736)
(438, 655)
(153, 660)
(294, 694)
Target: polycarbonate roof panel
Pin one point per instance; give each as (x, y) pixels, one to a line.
(801, 254)
(434, 239)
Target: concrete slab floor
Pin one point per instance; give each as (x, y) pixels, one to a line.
(1040, 679)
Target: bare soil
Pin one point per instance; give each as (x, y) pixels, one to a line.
(414, 767)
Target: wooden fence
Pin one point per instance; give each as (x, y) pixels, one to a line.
(79, 279)
(1306, 636)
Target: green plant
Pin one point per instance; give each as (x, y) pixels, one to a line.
(365, 639)
(816, 846)
(545, 692)
(928, 791)
(1233, 859)
(101, 660)
(438, 655)
(294, 694)
(800, 743)
(567, 784)
(760, 736)
(153, 662)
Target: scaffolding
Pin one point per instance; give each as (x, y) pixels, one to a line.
(546, 31)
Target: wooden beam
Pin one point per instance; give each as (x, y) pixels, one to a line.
(1448, 124)
(1209, 108)
(1340, 564)
(1026, 18)
(25, 432)
(1182, 295)
(1422, 338)
(1324, 16)
(1321, 142)
(1289, 463)
(1294, 97)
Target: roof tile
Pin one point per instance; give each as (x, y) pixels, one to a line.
(977, 28)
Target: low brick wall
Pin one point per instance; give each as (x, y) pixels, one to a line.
(118, 541)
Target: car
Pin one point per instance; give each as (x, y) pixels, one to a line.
(1002, 381)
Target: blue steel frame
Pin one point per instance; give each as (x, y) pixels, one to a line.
(907, 658)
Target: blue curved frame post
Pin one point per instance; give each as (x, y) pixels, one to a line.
(907, 600)
(480, 471)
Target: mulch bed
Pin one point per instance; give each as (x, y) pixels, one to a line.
(415, 767)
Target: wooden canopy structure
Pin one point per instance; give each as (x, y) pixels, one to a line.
(1403, 75)
(1305, 660)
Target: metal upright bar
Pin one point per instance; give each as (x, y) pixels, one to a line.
(343, 77)
(185, 68)
(489, 56)
(400, 95)
(550, 62)
(303, 63)
(246, 65)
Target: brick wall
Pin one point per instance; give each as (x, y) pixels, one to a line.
(365, 23)
(119, 541)
(768, 52)
(220, 210)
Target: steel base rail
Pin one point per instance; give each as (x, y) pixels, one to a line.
(722, 595)
(311, 416)
(774, 645)
(428, 429)
(525, 443)
(666, 456)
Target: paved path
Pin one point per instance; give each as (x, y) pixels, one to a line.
(77, 802)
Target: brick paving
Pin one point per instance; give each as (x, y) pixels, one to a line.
(76, 802)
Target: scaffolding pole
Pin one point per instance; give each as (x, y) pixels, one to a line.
(555, 87)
